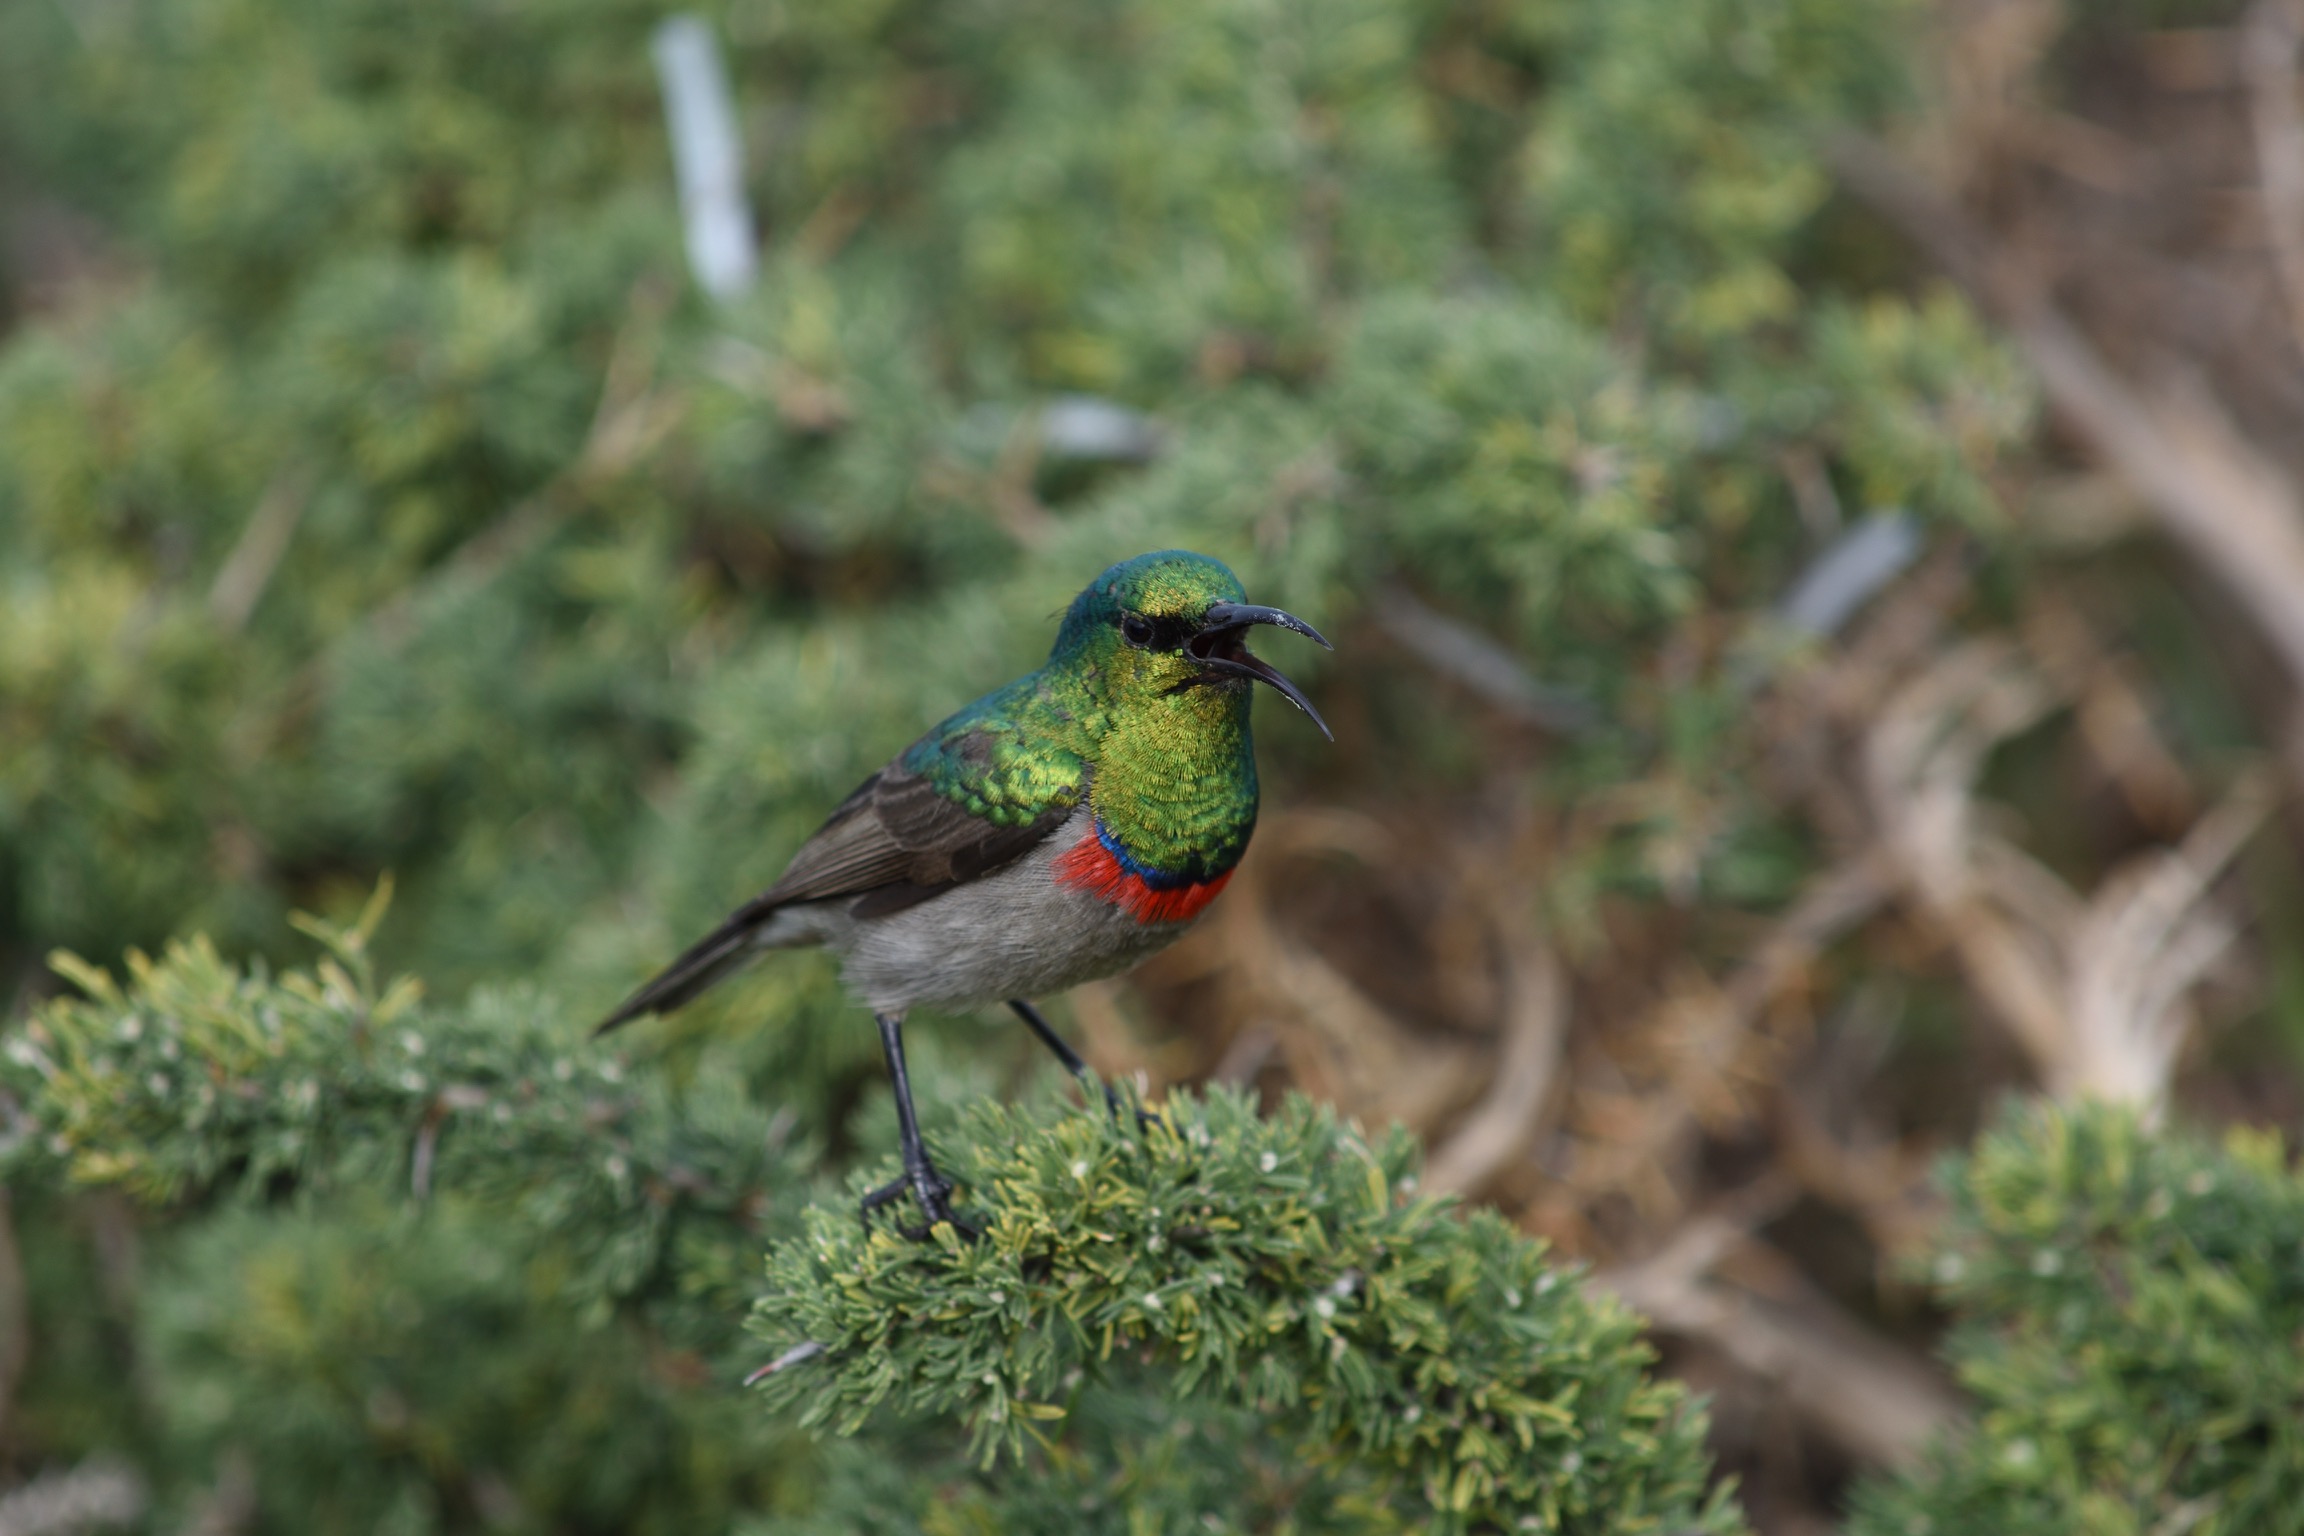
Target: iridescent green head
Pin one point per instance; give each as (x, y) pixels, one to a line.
(1172, 624)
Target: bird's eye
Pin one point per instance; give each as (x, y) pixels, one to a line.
(1136, 629)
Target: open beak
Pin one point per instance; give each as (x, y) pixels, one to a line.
(1222, 647)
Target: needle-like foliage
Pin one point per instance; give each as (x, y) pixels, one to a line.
(201, 1082)
(415, 1217)
(2132, 1327)
(1282, 1265)
(391, 1240)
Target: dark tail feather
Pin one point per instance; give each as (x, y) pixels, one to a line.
(703, 963)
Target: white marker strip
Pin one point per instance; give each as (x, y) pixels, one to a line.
(708, 157)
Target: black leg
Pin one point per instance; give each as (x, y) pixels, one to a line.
(928, 1187)
(1071, 1058)
(1048, 1037)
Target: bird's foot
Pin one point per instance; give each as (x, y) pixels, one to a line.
(933, 1191)
(1145, 1119)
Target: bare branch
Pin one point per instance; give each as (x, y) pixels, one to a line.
(2092, 989)
(241, 581)
(2269, 44)
(1875, 1400)
(2214, 494)
(2148, 935)
(1461, 653)
(1511, 1112)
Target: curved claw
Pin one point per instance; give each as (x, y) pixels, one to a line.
(1145, 1118)
(881, 1197)
(933, 1192)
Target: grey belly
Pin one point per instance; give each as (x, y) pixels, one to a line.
(1015, 933)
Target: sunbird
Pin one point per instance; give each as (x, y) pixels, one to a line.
(1057, 830)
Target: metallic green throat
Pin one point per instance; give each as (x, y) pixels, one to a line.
(1174, 775)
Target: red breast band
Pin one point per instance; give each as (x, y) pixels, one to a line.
(1090, 866)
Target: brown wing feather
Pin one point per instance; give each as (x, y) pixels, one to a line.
(892, 844)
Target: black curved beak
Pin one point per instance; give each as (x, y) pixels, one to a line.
(1222, 647)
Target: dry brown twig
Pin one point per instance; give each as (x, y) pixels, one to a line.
(2005, 917)
(1338, 1043)
(2117, 725)
(1707, 1041)
(1509, 1116)
(1826, 1139)
(2091, 988)
(1877, 1401)
(1483, 1103)
(1986, 54)
(2148, 935)
(1886, 1185)
(2230, 506)
(2270, 42)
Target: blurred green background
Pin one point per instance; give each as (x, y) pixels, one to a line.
(380, 494)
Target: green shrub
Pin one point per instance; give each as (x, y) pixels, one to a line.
(427, 1266)
(2131, 1310)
